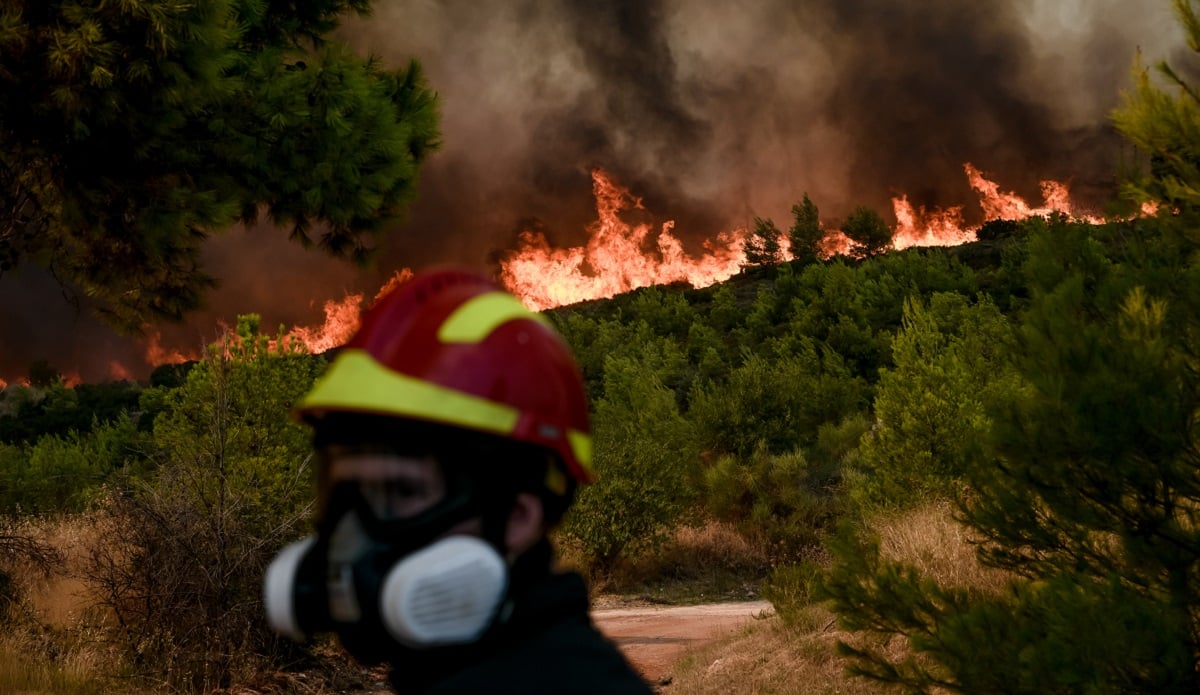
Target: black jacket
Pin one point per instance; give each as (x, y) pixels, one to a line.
(548, 645)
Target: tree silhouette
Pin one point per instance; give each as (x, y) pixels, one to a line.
(131, 131)
(868, 231)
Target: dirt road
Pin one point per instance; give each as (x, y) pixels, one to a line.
(653, 638)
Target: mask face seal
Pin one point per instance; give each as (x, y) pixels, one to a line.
(383, 584)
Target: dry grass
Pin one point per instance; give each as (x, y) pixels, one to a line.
(58, 654)
(770, 657)
(49, 647)
(929, 539)
(61, 599)
(710, 562)
(57, 642)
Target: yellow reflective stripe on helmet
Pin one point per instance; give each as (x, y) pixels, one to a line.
(479, 316)
(356, 382)
(556, 480)
(581, 446)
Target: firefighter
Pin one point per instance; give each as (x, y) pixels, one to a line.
(451, 433)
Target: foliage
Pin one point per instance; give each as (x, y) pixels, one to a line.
(181, 566)
(762, 246)
(1166, 127)
(805, 234)
(31, 412)
(643, 449)
(1090, 497)
(792, 590)
(131, 131)
(868, 231)
(62, 473)
(782, 500)
(171, 374)
(931, 421)
(774, 404)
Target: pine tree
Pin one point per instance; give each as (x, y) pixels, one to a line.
(1166, 127)
(868, 231)
(805, 233)
(132, 131)
(762, 244)
(1091, 496)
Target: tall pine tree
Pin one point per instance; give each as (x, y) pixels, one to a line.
(131, 131)
(805, 234)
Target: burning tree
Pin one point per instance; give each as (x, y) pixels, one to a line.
(131, 131)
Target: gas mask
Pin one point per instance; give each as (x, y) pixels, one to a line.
(383, 583)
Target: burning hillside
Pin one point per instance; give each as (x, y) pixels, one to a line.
(706, 112)
(620, 256)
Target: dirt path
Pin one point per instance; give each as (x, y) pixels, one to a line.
(653, 638)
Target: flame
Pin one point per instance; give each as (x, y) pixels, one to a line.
(620, 257)
(836, 243)
(118, 372)
(3, 384)
(398, 278)
(157, 355)
(342, 318)
(1149, 208)
(616, 257)
(1009, 206)
(341, 321)
(933, 228)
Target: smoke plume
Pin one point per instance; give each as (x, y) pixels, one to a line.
(712, 112)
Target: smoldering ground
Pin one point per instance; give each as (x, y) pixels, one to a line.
(712, 112)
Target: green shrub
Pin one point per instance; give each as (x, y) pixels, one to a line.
(643, 455)
(930, 409)
(776, 403)
(182, 553)
(791, 590)
(781, 500)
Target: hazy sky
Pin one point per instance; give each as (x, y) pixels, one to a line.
(713, 111)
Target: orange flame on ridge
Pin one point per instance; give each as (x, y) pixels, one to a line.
(544, 277)
(1009, 206)
(157, 355)
(918, 227)
(398, 278)
(620, 257)
(341, 321)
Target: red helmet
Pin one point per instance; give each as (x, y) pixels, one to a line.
(449, 347)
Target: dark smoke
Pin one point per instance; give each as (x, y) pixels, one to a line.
(712, 112)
